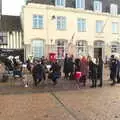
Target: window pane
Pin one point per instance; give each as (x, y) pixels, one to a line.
(80, 4)
(61, 23)
(81, 25)
(60, 2)
(37, 21)
(81, 47)
(97, 6)
(113, 9)
(115, 27)
(61, 48)
(37, 47)
(99, 26)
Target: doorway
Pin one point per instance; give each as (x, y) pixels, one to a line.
(98, 52)
(99, 48)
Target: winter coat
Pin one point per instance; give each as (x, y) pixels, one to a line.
(66, 66)
(93, 70)
(84, 67)
(37, 71)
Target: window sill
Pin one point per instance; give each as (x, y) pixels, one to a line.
(61, 29)
(38, 28)
(60, 6)
(99, 32)
(115, 33)
(82, 31)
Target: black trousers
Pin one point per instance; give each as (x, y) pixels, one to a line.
(100, 78)
(118, 77)
(113, 76)
(94, 82)
(36, 81)
(66, 75)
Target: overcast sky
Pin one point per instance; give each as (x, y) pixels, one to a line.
(12, 7)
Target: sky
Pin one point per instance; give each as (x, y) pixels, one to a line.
(12, 7)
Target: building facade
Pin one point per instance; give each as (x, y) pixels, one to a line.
(78, 27)
(11, 36)
(0, 7)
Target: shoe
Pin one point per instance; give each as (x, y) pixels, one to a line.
(26, 86)
(118, 82)
(55, 83)
(92, 86)
(99, 85)
(112, 84)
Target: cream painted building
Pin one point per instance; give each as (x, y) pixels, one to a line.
(69, 30)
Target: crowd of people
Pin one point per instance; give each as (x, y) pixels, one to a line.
(80, 69)
(90, 68)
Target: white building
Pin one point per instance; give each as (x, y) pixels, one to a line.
(60, 29)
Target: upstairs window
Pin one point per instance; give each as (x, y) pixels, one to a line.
(97, 6)
(80, 4)
(115, 27)
(60, 3)
(81, 23)
(99, 26)
(114, 9)
(61, 23)
(37, 21)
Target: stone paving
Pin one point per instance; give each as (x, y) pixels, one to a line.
(65, 101)
(83, 104)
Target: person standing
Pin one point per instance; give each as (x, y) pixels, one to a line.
(113, 69)
(118, 69)
(56, 72)
(66, 65)
(100, 70)
(71, 67)
(37, 73)
(93, 69)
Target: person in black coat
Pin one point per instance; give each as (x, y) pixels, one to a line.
(56, 72)
(77, 65)
(113, 69)
(66, 67)
(118, 70)
(100, 70)
(70, 67)
(37, 73)
(93, 67)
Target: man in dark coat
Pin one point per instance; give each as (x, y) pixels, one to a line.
(100, 70)
(66, 66)
(56, 72)
(118, 70)
(37, 73)
(93, 67)
(113, 69)
(71, 67)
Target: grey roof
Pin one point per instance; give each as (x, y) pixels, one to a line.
(10, 23)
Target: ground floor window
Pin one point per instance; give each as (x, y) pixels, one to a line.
(81, 47)
(61, 48)
(115, 47)
(37, 48)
